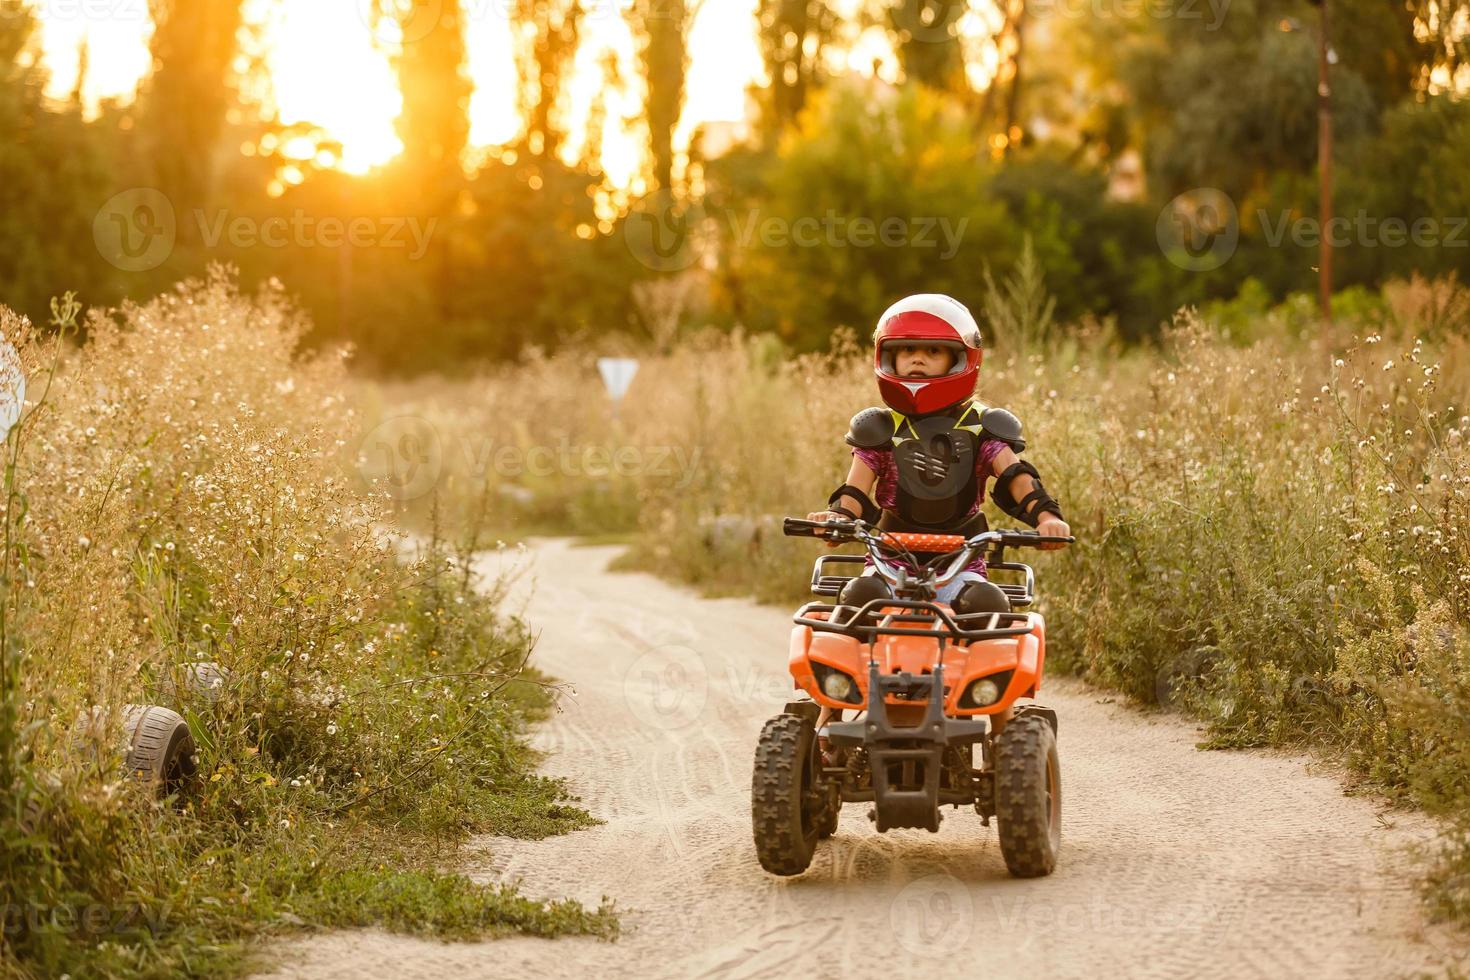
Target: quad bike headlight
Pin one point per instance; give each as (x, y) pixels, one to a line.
(986, 691)
(836, 684)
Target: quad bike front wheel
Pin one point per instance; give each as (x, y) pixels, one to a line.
(788, 812)
(1028, 797)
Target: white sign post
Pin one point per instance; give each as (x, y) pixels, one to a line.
(617, 375)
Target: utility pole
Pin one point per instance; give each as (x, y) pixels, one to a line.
(1325, 57)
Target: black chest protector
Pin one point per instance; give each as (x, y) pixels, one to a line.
(936, 459)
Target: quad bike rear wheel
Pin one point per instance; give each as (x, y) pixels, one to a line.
(788, 811)
(1028, 797)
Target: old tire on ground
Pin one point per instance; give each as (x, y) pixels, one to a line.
(1028, 797)
(203, 681)
(155, 744)
(783, 816)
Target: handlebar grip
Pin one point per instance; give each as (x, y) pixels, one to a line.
(795, 527)
(1026, 539)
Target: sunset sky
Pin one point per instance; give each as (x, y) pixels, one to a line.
(326, 69)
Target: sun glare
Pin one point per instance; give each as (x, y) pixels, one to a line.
(326, 68)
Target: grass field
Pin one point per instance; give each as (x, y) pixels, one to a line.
(182, 489)
(1271, 515)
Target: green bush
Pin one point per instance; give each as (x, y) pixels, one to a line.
(175, 494)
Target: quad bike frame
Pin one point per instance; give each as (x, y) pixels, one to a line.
(915, 669)
(912, 715)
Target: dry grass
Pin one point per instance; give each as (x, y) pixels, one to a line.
(183, 488)
(1272, 526)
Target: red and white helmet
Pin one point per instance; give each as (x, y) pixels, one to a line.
(932, 318)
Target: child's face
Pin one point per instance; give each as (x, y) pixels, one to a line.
(921, 360)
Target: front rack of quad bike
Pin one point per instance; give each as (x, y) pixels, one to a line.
(923, 618)
(1021, 594)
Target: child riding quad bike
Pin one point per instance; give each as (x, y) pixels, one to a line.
(928, 680)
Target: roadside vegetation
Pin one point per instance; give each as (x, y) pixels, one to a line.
(1273, 517)
(181, 489)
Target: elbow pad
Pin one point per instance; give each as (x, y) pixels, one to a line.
(1019, 508)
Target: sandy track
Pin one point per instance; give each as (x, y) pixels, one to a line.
(1175, 862)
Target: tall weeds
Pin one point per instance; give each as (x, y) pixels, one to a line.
(181, 490)
(1272, 523)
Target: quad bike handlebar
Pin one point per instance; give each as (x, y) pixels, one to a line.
(852, 530)
(954, 551)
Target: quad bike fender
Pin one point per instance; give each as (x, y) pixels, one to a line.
(1031, 662)
(803, 645)
(800, 667)
(1024, 656)
(841, 653)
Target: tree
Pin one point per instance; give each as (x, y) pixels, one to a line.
(1224, 103)
(53, 179)
(792, 34)
(1439, 28)
(547, 34)
(435, 125)
(661, 32)
(867, 200)
(927, 39)
(185, 100)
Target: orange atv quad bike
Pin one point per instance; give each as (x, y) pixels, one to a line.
(926, 681)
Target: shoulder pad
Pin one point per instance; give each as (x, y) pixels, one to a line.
(997, 423)
(872, 428)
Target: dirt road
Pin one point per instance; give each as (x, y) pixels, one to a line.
(1175, 862)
